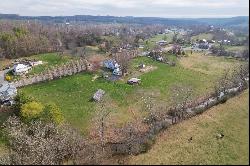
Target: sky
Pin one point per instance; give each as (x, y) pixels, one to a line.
(141, 8)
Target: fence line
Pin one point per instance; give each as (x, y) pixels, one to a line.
(68, 69)
(141, 141)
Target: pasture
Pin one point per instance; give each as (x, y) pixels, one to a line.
(207, 36)
(72, 94)
(174, 146)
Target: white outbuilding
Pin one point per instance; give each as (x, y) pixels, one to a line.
(20, 69)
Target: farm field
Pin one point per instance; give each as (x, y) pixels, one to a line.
(151, 42)
(231, 119)
(72, 94)
(207, 36)
(234, 48)
(208, 65)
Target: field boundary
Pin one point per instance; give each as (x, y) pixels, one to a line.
(136, 142)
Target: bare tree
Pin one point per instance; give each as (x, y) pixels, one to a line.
(103, 111)
(123, 59)
(41, 143)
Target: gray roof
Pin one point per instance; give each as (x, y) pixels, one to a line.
(7, 91)
(98, 94)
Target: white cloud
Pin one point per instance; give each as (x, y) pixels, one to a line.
(160, 8)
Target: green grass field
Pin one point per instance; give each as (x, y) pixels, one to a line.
(231, 119)
(235, 48)
(207, 36)
(152, 41)
(72, 94)
(50, 60)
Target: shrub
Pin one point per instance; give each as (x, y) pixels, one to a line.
(31, 110)
(22, 99)
(8, 78)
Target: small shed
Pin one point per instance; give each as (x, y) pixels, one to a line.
(20, 68)
(98, 95)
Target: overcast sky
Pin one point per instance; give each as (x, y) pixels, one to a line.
(154, 8)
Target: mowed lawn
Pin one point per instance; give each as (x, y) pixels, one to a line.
(209, 65)
(168, 37)
(230, 118)
(49, 60)
(207, 36)
(72, 94)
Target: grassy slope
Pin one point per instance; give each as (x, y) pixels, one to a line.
(231, 118)
(73, 93)
(49, 60)
(152, 41)
(235, 48)
(207, 36)
(208, 65)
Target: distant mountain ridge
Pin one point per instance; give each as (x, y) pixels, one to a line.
(233, 21)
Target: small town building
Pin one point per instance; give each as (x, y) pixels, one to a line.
(161, 42)
(117, 72)
(111, 64)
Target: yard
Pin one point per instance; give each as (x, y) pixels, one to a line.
(207, 36)
(72, 94)
(231, 119)
(49, 61)
(235, 48)
(152, 41)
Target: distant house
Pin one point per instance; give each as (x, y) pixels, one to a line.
(146, 53)
(168, 31)
(20, 69)
(111, 64)
(117, 72)
(159, 58)
(7, 92)
(161, 42)
(98, 95)
(204, 45)
(141, 46)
